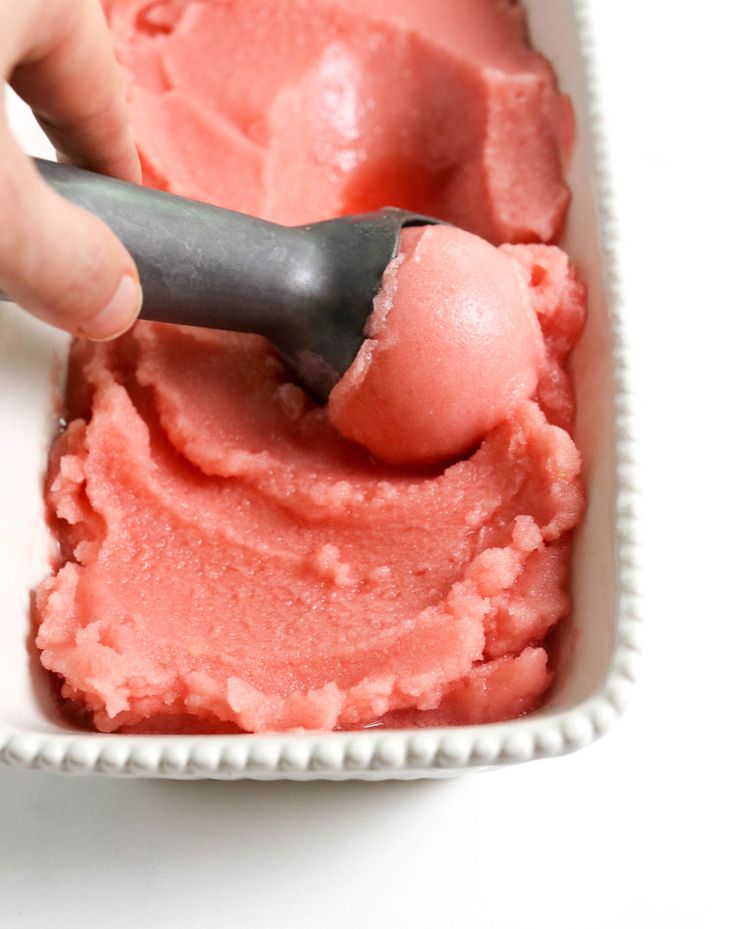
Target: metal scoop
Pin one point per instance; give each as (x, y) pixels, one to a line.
(308, 289)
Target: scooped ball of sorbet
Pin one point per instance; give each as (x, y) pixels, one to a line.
(453, 347)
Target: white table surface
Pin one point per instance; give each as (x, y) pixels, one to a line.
(634, 831)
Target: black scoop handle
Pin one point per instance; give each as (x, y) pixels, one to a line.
(199, 265)
(308, 289)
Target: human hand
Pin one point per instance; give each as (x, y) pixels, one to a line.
(57, 260)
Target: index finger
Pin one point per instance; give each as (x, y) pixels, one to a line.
(62, 64)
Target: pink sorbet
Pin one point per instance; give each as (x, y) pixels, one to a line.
(454, 347)
(228, 558)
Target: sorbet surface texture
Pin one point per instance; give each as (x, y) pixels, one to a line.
(228, 558)
(454, 347)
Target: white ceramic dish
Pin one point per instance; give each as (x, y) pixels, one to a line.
(598, 642)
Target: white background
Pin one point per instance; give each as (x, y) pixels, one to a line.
(633, 831)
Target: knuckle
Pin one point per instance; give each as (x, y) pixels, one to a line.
(82, 289)
(62, 262)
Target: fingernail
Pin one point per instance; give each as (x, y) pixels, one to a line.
(118, 315)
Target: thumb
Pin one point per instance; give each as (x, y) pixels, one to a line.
(60, 262)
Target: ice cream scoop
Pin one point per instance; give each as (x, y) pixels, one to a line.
(308, 289)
